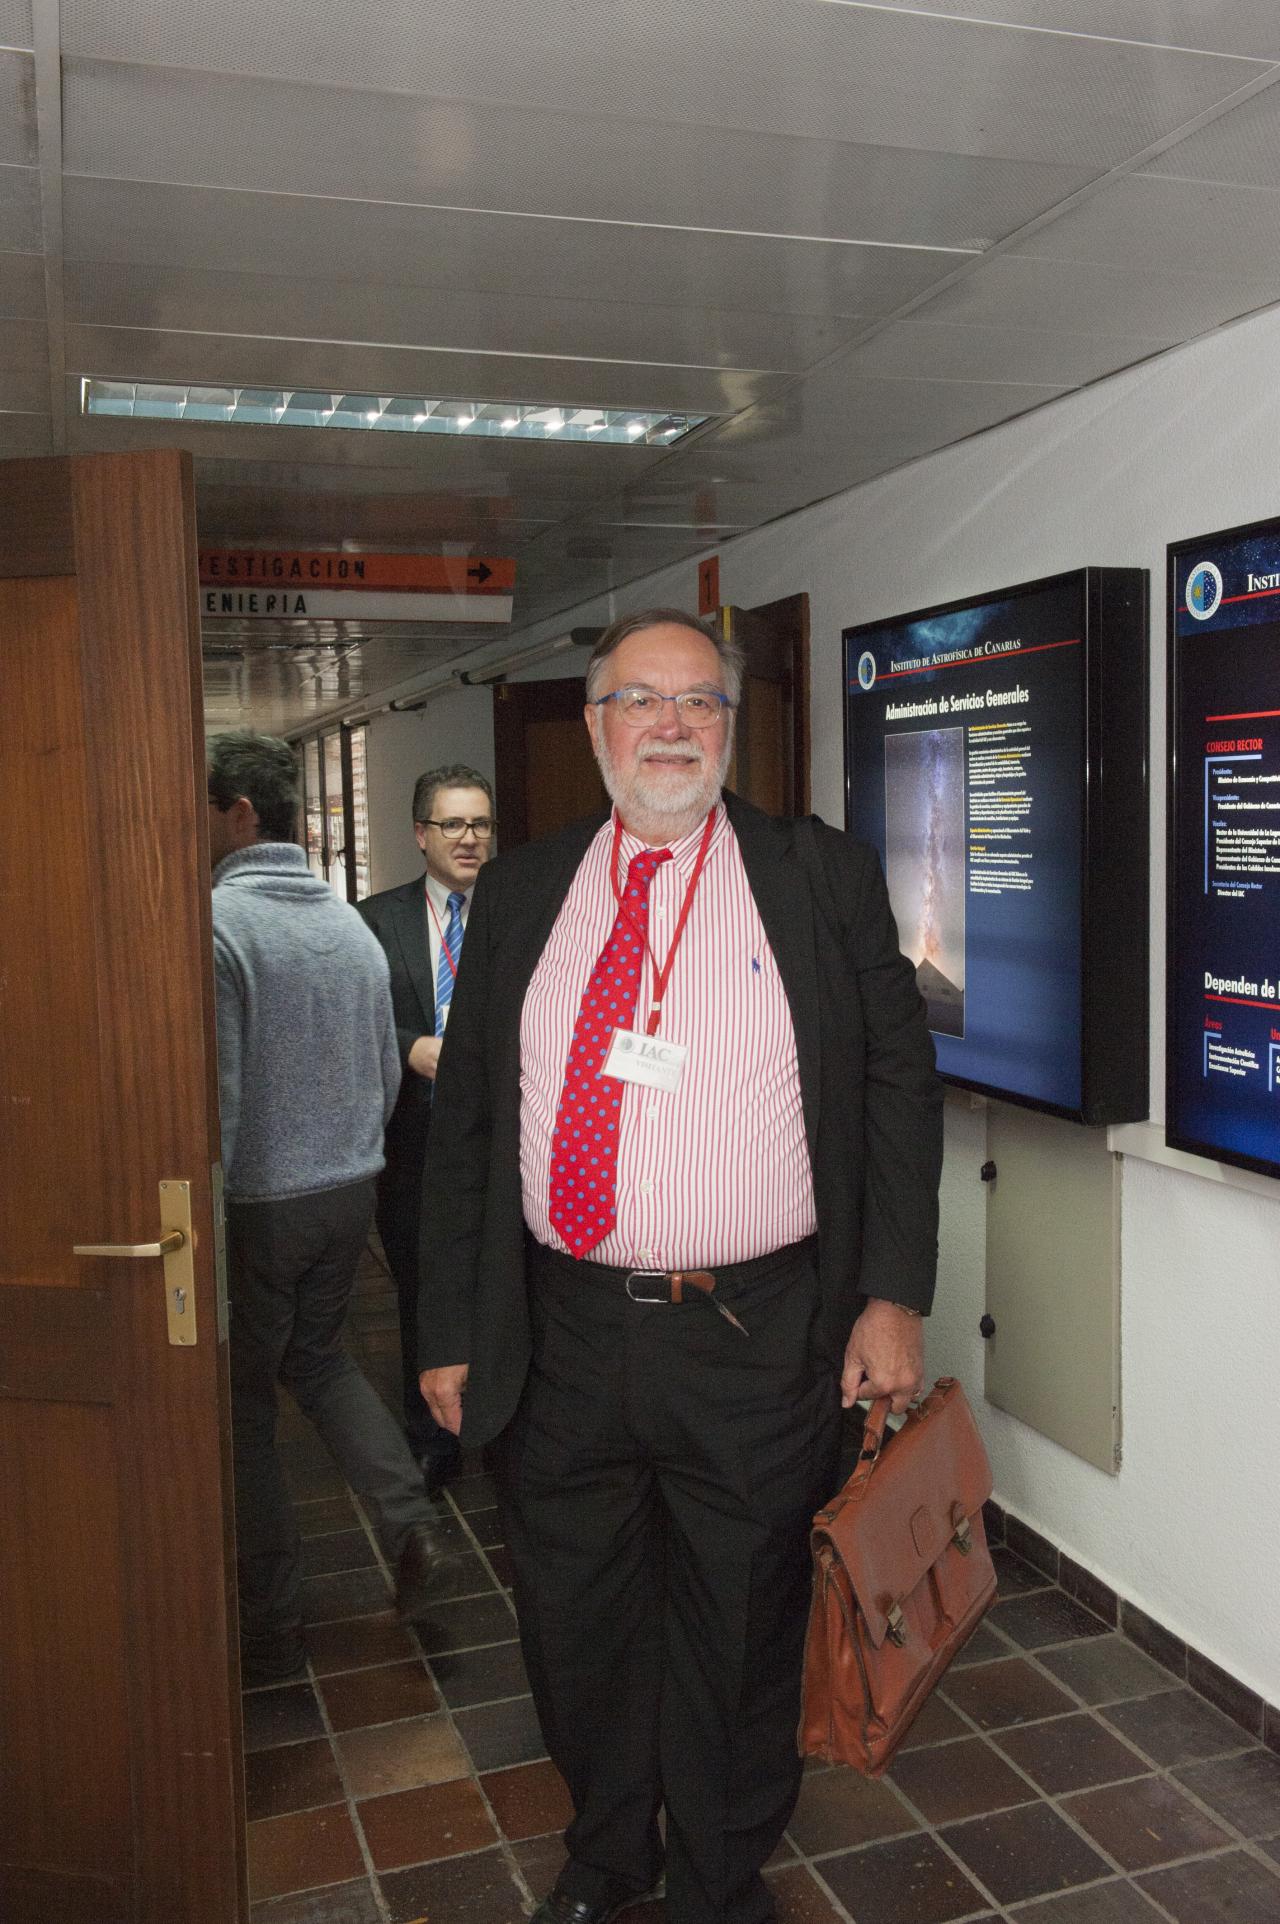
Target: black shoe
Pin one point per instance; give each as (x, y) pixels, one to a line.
(560, 1908)
(427, 1573)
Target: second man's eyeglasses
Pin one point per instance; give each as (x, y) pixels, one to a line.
(454, 828)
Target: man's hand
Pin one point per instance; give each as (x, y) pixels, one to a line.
(424, 1056)
(442, 1392)
(884, 1356)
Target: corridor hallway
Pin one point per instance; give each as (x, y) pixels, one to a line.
(1061, 1776)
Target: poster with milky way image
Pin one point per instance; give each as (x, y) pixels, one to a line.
(924, 863)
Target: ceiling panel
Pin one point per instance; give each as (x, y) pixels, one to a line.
(263, 516)
(819, 71)
(24, 389)
(1217, 26)
(1202, 228)
(231, 131)
(24, 344)
(21, 287)
(17, 109)
(19, 210)
(15, 23)
(576, 334)
(22, 434)
(154, 355)
(513, 257)
(1243, 146)
(929, 350)
(1088, 297)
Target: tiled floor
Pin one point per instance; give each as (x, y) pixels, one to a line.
(1059, 1776)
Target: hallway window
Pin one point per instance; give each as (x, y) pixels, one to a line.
(335, 810)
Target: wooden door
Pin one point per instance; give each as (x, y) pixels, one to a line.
(770, 764)
(546, 771)
(120, 1770)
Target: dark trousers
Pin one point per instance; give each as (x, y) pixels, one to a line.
(399, 1216)
(658, 1481)
(291, 1266)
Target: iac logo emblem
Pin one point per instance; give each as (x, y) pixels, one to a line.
(1204, 591)
(866, 670)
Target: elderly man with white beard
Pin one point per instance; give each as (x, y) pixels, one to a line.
(684, 1208)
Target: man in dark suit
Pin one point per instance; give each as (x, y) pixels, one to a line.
(421, 926)
(688, 1072)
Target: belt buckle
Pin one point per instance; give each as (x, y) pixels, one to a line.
(638, 1275)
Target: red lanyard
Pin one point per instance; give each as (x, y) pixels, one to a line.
(661, 976)
(444, 946)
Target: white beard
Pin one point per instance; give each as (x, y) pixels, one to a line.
(659, 809)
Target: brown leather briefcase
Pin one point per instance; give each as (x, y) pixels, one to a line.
(901, 1576)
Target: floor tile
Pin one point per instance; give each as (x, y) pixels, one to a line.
(1105, 1670)
(1245, 1790)
(487, 1525)
(800, 1900)
(1025, 1853)
(422, 1750)
(480, 1676)
(984, 1646)
(1233, 1889)
(323, 1517)
(1046, 1617)
(1175, 1727)
(1271, 1845)
(340, 1904)
(458, 1890)
(379, 1695)
(996, 1695)
(291, 1777)
(302, 1850)
(1226, 1693)
(473, 1492)
(1070, 1753)
(1145, 1823)
(541, 1860)
(281, 1716)
(418, 1826)
(838, 1808)
(529, 1800)
(351, 1593)
(501, 1734)
(1115, 1903)
(500, 1563)
(959, 1780)
(1013, 1576)
(339, 1550)
(908, 1881)
(936, 1724)
(356, 1642)
(461, 1626)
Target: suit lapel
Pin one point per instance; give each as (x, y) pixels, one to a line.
(410, 921)
(780, 885)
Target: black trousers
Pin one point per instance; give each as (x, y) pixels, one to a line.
(658, 1482)
(399, 1216)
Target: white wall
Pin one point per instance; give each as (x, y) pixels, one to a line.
(455, 727)
(1187, 443)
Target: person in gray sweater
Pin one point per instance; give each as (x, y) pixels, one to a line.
(308, 1071)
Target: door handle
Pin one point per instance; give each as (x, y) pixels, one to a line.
(174, 1249)
(165, 1247)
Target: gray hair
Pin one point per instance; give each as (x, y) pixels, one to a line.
(265, 770)
(730, 653)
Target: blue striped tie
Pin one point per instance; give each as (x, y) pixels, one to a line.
(450, 945)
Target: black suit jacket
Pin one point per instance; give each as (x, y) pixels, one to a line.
(872, 1100)
(398, 917)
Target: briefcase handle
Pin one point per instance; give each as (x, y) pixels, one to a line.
(873, 1430)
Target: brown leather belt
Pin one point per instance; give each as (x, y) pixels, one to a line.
(673, 1285)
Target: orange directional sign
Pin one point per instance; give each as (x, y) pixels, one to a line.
(300, 570)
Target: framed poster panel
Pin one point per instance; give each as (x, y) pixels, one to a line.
(996, 756)
(1223, 1017)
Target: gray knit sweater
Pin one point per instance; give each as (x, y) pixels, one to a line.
(308, 1066)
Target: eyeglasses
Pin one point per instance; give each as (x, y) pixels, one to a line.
(455, 828)
(641, 707)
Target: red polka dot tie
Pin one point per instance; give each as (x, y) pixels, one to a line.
(584, 1146)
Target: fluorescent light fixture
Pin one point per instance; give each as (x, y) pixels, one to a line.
(383, 413)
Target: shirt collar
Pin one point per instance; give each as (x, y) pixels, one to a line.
(684, 853)
(439, 895)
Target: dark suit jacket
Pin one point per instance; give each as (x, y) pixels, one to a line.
(872, 1100)
(398, 917)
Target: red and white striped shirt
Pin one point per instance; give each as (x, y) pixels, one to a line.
(717, 1171)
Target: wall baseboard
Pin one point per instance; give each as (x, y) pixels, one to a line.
(1184, 1663)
